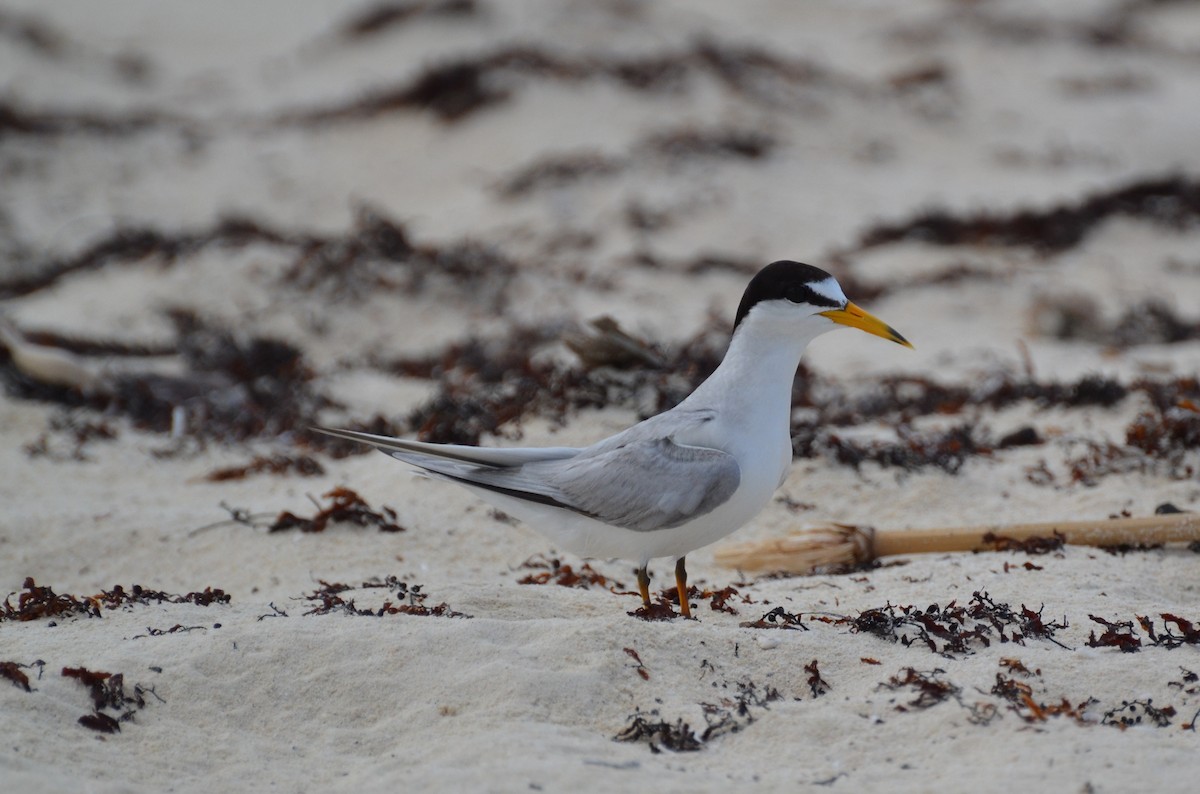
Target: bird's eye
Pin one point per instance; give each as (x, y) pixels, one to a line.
(798, 294)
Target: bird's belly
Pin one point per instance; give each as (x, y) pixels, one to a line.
(753, 494)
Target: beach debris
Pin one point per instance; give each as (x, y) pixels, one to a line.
(328, 598)
(455, 89)
(659, 610)
(730, 714)
(1021, 700)
(279, 463)
(1121, 634)
(1133, 712)
(1170, 201)
(930, 687)
(1116, 635)
(345, 506)
(234, 388)
(176, 629)
(275, 612)
(957, 627)
(603, 343)
(1077, 318)
(383, 16)
(658, 734)
(820, 549)
(777, 618)
(816, 684)
(639, 667)
(107, 691)
(13, 672)
(668, 148)
(551, 570)
(46, 364)
(719, 599)
(79, 431)
(37, 601)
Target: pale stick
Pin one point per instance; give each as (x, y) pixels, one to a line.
(806, 551)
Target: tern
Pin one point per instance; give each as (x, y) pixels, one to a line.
(684, 478)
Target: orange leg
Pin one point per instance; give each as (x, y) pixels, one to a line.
(681, 584)
(644, 585)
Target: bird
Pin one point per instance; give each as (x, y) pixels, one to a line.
(681, 479)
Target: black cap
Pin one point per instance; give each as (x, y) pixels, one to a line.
(785, 280)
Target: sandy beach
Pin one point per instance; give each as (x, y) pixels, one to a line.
(223, 224)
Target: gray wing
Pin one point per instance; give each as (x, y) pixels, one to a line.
(646, 485)
(639, 480)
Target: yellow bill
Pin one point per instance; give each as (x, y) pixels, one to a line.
(855, 317)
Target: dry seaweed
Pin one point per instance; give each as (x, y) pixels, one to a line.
(816, 684)
(658, 734)
(382, 16)
(18, 120)
(485, 385)
(958, 628)
(328, 599)
(1165, 638)
(1116, 635)
(1077, 318)
(675, 146)
(1134, 712)
(719, 599)
(176, 629)
(456, 89)
(1021, 701)
(777, 618)
(134, 244)
(79, 431)
(730, 714)
(1123, 635)
(552, 570)
(107, 691)
(345, 506)
(1169, 435)
(36, 602)
(234, 388)
(377, 253)
(733, 713)
(638, 666)
(947, 450)
(930, 687)
(558, 171)
(721, 142)
(276, 464)
(1171, 201)
(13, 672)
(118, 596)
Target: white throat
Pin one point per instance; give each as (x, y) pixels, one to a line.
(754, 380)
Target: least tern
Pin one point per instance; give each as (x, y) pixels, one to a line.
(684, 478)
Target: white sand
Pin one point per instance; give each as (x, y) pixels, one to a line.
(530, 692)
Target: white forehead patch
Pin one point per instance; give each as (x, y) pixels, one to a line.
(829, 288)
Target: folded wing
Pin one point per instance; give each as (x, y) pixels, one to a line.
(643, 485)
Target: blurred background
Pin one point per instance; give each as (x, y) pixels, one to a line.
(1005, 182)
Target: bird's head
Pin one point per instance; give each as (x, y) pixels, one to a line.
(807, 298)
